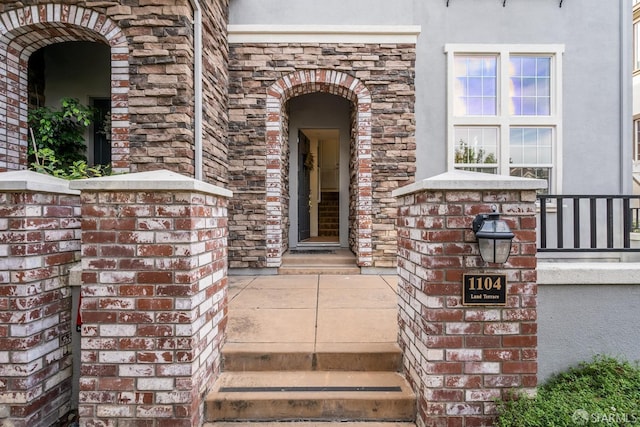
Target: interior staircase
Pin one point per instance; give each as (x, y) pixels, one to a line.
(329, 214)
(319, 260)
(360, 387)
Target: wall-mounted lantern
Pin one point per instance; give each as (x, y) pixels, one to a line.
(494, 237)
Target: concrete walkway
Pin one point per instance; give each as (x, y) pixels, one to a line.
(310, 330)
(313, 313)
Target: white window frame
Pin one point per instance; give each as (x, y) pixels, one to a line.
(503, 120)
(636, 138)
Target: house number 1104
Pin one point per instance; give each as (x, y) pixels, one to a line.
(485, 283)
(484, 289)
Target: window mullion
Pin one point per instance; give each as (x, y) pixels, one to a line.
(504, 113)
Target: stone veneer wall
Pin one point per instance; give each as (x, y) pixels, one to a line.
(152, 52)
(459, 358)
(39, 242)
(215, 95)
(154, 298)
(386, 70)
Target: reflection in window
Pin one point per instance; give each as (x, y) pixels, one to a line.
(636, 46)
(530, 145)
(504, 112)
(530, 85)
(477, 146)
(636, 137)
(475, 89)
(531, 152)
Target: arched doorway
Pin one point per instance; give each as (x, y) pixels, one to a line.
(278, 168)
(79, 70)
(32, 28)
(319, 146)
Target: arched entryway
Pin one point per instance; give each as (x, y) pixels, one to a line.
(28, 29)
(307, 82)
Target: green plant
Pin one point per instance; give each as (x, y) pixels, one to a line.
(603, 392)
(49, 164)
(466, 154)
(60, 130)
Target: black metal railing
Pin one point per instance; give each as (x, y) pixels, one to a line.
(571, 223)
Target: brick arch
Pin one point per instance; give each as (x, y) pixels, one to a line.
(22, 32)
(301, 83)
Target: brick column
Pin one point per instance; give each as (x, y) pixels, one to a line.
(39, 241)
(154, 297)
(459, 358)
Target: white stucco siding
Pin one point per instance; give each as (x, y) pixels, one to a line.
(592, 81)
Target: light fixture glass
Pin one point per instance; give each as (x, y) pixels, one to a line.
(494, 237)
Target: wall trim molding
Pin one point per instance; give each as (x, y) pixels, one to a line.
(323, 33)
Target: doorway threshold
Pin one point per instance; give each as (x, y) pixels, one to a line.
(309, 245)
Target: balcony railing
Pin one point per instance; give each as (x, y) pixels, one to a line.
(570, 223)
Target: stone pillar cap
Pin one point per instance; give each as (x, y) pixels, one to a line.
(26, 180)
(477, 181)
(158, 180)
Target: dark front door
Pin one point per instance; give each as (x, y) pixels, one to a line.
(304, 187)
(101, 132)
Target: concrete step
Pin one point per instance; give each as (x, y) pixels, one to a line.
(314, 261)
(307, 424)
(244, 357)
(310, 396)
(328, 269)
(313, 257)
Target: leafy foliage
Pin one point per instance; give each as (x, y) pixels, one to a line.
(603, 392)
(49, 164)
(60, 130)
(466, 154)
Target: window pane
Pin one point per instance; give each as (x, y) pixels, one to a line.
(482, 169)
(637, 139)
(530, 89)
(543, 67)
(489, 106)
(538, 173)
(476, 145)
(475, 89)
(636, 46)
(531, 146)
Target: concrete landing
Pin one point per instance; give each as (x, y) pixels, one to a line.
(312, 313)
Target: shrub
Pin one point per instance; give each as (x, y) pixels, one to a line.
(48, 163)
(603, 392)
(60, 130)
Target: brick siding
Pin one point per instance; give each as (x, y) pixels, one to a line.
(39, 242)
(154, 304)
(460, 358)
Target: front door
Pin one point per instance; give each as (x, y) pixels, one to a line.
(101, 131)
(304, 187)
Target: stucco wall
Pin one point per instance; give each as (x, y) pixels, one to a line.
(592, 107)
(586, 309)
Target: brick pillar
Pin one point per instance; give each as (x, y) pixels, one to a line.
(39, 241)
(459, 358)
(154, 298)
